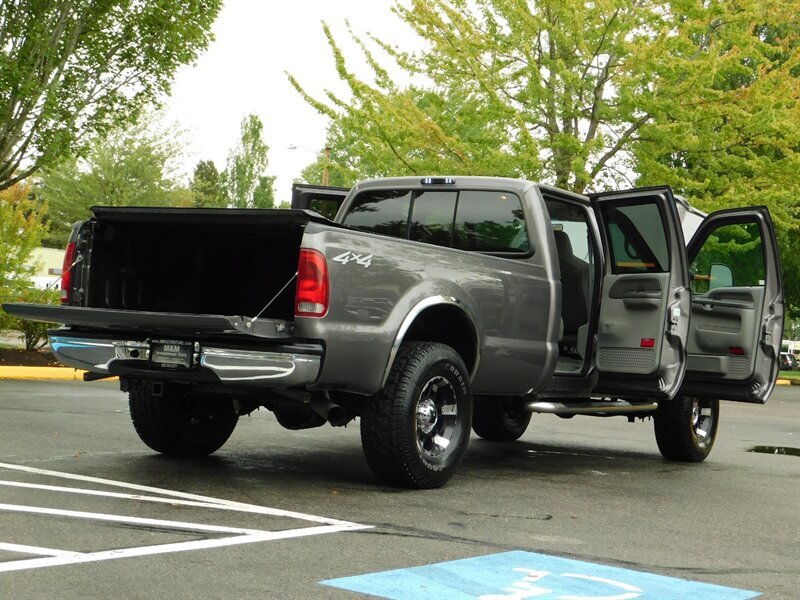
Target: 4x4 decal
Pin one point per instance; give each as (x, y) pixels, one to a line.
(350, 256)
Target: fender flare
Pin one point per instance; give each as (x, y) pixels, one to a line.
(412, 316)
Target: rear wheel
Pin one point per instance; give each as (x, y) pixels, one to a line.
(500, 419)
(686, 428)
(415, 431)
(181, 424)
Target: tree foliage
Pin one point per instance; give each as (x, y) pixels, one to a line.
(132, 166)
(246, 164)
(264, 193)
(207, 186)
(22, 230)
(542, 90)
(729, 136)
(71, 69)
(701, 95)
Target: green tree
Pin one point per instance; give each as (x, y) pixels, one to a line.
(584, 95)
(246, 164)
(264, 194)
(207, 186)
(71, 69)
(730, 137)
(542, 90)
(137, 165)
(22, 230)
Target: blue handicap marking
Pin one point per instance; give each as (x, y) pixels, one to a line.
(521, 575)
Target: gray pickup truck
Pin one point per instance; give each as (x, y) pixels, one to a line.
(426, 308)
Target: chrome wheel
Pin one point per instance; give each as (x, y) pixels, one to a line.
(686, 427)
(436, 412)
(416, 430)
(702, 421)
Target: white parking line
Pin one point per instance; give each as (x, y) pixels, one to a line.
(23, 549)
(137, 497)
(263, 510)
(79, 514)
(73, 558)
(53, 557)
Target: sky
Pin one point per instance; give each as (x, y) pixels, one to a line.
(243, 71)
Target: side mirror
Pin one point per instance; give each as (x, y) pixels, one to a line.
(720, 276)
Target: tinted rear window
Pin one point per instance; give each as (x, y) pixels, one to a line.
(481, 221)
(384, 211)
(432, 217)
(490, 222)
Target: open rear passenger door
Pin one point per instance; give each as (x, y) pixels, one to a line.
(737, 307)
(645, 299)
(324, 200)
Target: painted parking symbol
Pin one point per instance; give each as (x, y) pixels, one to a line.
(521, 575)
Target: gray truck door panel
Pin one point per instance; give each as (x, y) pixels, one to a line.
(645, 300)
(737, 307)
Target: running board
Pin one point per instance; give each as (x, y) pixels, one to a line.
(589, 408)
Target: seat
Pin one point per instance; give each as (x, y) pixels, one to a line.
(575, 277)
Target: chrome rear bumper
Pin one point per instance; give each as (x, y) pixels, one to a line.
(249, 367)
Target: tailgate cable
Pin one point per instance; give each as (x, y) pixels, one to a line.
(57, 280)
(275, 297)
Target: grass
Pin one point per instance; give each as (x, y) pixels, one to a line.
(790, 375)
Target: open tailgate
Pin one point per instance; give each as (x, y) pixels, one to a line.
(151, 322)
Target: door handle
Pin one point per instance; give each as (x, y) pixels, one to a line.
(708, 304)
(643, 294)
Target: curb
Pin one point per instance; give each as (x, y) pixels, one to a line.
(61, 373)
(788, 382)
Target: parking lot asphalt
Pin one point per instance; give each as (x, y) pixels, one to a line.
(70, 374)
(86, 510)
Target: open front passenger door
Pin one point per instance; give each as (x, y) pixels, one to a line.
(737, 307)
(645, 299)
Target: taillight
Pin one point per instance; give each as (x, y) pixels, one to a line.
(311, 299)
(66, 272)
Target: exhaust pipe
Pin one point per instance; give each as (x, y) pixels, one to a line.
(330, 411)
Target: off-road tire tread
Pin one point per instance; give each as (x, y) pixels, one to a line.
(673, 429)
(154, 424)
(383, 419)
(489, 422)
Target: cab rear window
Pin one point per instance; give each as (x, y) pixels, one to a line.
(384, 212)
(475, 220)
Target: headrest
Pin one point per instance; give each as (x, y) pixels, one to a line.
(563, 245)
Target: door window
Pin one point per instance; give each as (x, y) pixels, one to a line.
(637, 240)
(731, 256)
(327, 208)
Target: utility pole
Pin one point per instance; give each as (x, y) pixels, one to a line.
(325, 174)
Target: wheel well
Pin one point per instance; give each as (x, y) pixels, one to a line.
(448, 325)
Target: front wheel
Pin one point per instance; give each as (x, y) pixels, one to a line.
(415, 431)
(686, 428)
(181, 424)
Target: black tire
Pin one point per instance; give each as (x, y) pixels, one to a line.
(403, 428)
(499, 419)
(181, 424)
(686, 428)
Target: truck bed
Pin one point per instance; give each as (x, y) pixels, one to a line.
(201, 262)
